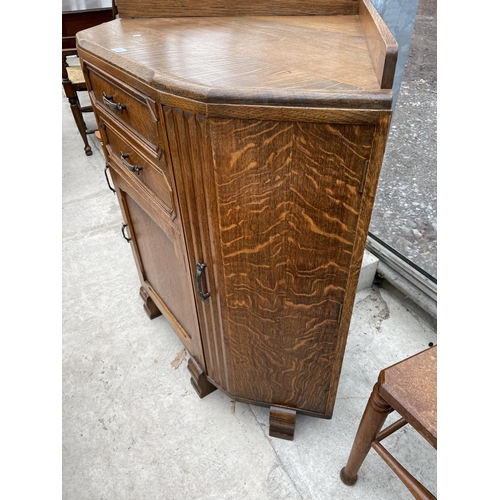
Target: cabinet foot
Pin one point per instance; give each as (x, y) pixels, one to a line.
(282, 422)
(149, 306)
(199, 380)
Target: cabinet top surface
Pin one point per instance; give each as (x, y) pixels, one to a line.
(227, 57)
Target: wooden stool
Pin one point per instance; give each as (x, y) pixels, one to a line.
(410, 388)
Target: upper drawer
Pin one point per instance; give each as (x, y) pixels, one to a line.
(137, 167)
(131, 108)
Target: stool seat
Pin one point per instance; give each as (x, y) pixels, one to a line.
(75, 74)
(409, 388)
(79, 15)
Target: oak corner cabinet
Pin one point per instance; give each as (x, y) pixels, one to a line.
(244, 141)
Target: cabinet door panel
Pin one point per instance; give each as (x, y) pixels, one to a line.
(288, 219)
(162, 267)
(188, 144)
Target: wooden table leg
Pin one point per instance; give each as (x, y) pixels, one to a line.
(373, 419)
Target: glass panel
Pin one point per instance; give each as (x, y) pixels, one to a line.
(405, 211)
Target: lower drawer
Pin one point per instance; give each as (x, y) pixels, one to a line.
(137, 166)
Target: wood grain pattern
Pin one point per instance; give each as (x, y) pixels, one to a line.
(153, 248)
(173, 8)
(372, 175)
(410, 387)
(190, 149)
(288, 219)
(271, 132)
(139, 115)
(282, 422)
(374, 416)
(246, 60)
(382, 45)
(152, 177)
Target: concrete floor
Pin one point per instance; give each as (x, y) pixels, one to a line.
(405, 211)
(133, 427)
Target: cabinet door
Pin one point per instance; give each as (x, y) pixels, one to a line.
(288, 199)
(277, 208)
(160, 255)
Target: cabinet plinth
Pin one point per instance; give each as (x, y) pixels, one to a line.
(246, 179)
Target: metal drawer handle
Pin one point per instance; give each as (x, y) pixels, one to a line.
(132, 168)
(107, 178)
(107, 100)
(199, 270)
(123, 232)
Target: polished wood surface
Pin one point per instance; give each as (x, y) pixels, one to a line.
(282, 423)
(156, 244)
(206, 8)
(381, 44)
(410, 388)
(247, 59)
(148, 173)
(134, 110)
(253, 150)
(286, 246)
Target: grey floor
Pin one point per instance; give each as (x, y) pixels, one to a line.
(133, 427)
(405, 211)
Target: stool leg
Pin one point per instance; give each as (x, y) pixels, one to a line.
(373, 419)
(74, 102)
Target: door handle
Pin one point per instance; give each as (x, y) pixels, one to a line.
(132, 168)
(108, 101)
(107, 178)
(199, 271)
(123, 233)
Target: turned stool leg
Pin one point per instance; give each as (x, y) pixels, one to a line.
(373, 419)
(74, 102)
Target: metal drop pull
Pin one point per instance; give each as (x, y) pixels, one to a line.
(108, 101)
(132, 168)
(123, 233)
(107, 178)
(199, 271)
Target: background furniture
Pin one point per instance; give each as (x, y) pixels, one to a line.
(410, 388)
(78, 15)
(245, 144)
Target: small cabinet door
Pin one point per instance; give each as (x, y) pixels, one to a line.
(160, 256)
